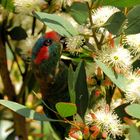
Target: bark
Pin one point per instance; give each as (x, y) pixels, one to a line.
(19, 121)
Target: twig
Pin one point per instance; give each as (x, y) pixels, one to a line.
(44, 103)
(42, 129)
(101, 39)
(91, 22)
(71, 123)
(33, 25)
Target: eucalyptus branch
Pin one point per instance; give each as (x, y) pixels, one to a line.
(91, 22)
(87, 43)
(8, 86)
(19, 121)
(90, 46)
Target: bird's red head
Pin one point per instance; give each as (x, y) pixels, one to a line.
(53, 35)
(44, 46)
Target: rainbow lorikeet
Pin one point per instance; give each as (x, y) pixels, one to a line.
(51, 74)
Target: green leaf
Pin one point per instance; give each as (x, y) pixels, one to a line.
(71, 85)
(133, 110)
(134, 133)
(133, 26)
(78, 88)
(115, 23)
(24, 111)
(18, 33)
(81, 89)
(120, 80)
(79, 11)
(66, 109)
(57, 23)
(7, 4)
(120, 111)
(121, 3)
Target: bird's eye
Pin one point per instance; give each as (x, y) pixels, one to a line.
(47, 42)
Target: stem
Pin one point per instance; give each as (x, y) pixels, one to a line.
(8, 86)
(72, 123)
(33, 25)
(101, 39)
(44, 103)
(9, 90)
(91, 22)
(65, 119)
(42, 129)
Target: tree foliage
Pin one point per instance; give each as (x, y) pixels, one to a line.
(99, 39)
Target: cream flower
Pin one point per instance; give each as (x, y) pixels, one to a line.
(106, 120)
(27, 6)
(101, 15)
(133, 88)
(134, 42)
(109, 122)
(74, 44)
(117, 57)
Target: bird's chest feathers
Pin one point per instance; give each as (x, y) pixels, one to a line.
(42, 55)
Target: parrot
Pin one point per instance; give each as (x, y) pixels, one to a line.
(52, 75)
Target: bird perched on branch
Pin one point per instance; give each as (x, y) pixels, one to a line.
(51, 74)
